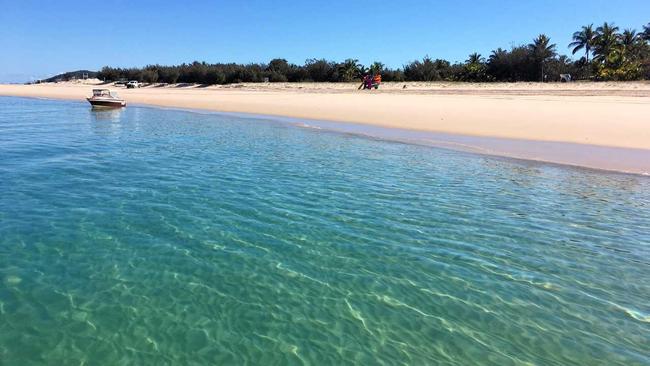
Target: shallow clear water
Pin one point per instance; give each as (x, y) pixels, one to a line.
(148, 236)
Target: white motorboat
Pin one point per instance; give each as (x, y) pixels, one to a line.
(104, 98)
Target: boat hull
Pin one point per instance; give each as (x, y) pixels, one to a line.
(107, 103)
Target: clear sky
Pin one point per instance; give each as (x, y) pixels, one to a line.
(42, 38)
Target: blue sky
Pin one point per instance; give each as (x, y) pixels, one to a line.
(42, 38)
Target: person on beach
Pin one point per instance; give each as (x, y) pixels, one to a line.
(370, 81)
(376, 80)
(367, 82)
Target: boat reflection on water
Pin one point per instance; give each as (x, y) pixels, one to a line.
(103, 114)
(106, 122)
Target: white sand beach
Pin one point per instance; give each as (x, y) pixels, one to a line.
(605, 115)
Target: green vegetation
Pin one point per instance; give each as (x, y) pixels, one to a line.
(72, 75)
(609, 54)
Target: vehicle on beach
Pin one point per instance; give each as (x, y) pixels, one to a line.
(133, 84)
(104, 98)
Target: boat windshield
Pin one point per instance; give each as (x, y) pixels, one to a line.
(104, 93)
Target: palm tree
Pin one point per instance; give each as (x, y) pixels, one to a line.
(607, 41)
(475, 58)
(584, 39)
(542, 49)
(349, 69)
(497, 55)
(376, 68)
(474, 69)
(632, 44)
(646, 32)
(629, 37)
(497, 64)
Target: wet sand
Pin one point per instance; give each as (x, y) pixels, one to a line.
(603, 126)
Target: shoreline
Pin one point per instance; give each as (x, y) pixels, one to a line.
(577, 156)
(589, 157)
(517, 126)
(592, 157)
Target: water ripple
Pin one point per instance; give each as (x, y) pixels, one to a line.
(145, 236)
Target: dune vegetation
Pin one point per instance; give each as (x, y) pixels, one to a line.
(604, 52)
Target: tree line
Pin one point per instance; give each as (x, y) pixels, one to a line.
(607, 53)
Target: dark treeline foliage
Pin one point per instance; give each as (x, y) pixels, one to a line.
(609, 54)
(71, 75)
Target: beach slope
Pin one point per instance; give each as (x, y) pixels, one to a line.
(614, 117)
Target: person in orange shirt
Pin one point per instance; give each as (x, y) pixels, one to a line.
(376, 80)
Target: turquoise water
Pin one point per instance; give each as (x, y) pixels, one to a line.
(159, 237)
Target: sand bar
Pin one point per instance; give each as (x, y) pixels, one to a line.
(522, 120)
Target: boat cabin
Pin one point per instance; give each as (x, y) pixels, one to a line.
(105, 93)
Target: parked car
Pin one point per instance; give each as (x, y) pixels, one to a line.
(120, 82)
(133, 84)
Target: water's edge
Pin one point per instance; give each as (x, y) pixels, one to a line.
(585, 156)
